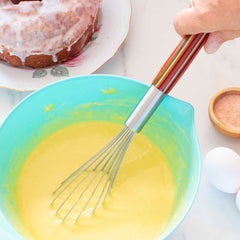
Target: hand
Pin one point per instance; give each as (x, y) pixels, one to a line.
(220, 18)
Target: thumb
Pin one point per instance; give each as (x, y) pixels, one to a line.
(216, 39)
(188, 21)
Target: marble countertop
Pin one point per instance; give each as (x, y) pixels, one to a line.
(152, 38)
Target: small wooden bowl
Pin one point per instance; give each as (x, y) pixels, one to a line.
(219, 126)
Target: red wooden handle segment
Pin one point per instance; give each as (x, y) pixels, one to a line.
(179, 61)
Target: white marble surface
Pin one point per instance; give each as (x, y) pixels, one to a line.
(214, 215)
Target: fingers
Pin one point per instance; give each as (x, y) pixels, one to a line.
(192, 21)
(213, 43)
(216, 39)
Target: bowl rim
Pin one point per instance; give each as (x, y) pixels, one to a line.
(193, 131)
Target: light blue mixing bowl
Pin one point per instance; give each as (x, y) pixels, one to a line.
(85, 99)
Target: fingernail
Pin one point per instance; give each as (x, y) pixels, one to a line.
(212, 47)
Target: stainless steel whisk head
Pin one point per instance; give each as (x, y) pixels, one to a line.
(83, 191)
(95, 178)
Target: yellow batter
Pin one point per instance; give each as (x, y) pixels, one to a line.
(140, 203)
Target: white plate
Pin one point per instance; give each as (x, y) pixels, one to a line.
(113, 27)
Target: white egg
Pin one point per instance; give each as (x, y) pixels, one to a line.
(238, 200)
(222, 167)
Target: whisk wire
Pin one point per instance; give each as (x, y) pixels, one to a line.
(89, 163)
(112, 147)
(118, 149)
(121, 152)
(116, 171)
(108, 161)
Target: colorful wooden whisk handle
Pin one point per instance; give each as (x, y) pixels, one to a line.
(179, 61)
(165, 80)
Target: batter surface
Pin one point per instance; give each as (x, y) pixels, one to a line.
(140, 203)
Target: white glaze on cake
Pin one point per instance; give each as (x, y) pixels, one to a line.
(46, 27)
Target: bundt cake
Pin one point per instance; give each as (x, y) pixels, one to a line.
(42, 33)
